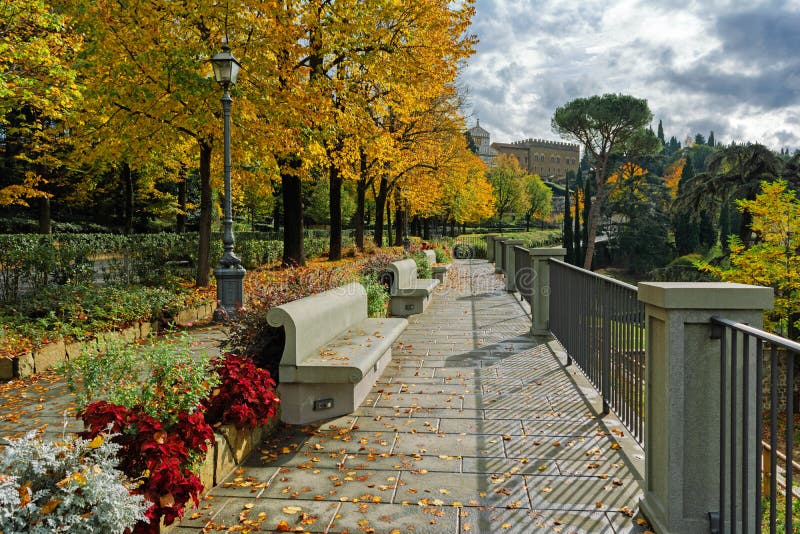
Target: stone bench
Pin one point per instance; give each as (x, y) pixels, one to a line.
(333, 353)
(439, 270)
(409, 295)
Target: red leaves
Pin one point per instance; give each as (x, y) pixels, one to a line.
(246, 395)
(155, 454)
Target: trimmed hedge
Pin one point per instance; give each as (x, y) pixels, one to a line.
(31, 262)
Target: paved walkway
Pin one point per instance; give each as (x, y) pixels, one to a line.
(475, 426)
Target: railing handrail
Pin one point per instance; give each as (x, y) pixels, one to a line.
(595, 275)
(776, 340)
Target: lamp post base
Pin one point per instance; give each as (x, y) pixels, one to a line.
(230, 292)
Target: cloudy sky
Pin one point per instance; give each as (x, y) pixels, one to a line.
(728, 66)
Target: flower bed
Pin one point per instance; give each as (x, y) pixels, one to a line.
(162, 404)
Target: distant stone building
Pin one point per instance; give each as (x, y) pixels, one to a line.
(551, 160)
(482, 141)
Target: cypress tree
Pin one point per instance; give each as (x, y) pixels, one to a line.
(687, 236)
(587, 208)
(660, 134)
(711, 141)
(567, 236)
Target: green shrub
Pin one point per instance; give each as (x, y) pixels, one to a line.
(474, 249)
(423, 267)
(163, 379)
(377, 296)
(442, 254)
(70, 486)
(80, 312)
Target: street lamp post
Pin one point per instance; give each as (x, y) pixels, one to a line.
(229, 273)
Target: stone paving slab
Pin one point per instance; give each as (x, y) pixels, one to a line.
(474, 427)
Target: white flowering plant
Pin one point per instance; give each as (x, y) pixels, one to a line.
(72, 485)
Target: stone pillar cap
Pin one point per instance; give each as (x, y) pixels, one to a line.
(706, 295)
(514, 241)
(548, 251)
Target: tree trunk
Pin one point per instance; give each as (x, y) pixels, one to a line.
(204, 240)
(388, 224)
(426, 229)
(45, 222)
(180, 222)
(399, 224)
(452, 228)
(527, 222)
(361, 199)
(335, 201)
(126, 176)
(380, 205)
(293, 248)
(276, 211)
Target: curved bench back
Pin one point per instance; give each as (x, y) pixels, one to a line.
(314, 321)
(431, 255)
(403, 274)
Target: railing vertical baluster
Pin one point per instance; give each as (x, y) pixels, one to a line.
(773, 440)
(734, 350)
(605, 351)
(745, 429)
(723, 362)
(789, 437)
(759, 425)
(603, 335)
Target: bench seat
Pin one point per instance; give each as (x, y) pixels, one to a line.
(420, 288)
(348, 358)
(333, 353)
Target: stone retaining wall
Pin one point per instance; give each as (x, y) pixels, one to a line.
(231, 447)
(47, 356)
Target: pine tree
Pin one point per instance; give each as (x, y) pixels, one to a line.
(567, 235)
(711, 141)
(699, 139)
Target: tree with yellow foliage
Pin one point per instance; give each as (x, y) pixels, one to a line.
(508, 182)
(39, 91)
(774, 258)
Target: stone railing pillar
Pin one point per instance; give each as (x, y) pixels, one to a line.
(490, 246)
(540, 299)
(498, 253)
(508, 261)
(682, 397)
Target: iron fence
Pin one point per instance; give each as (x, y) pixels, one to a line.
(600, 323)
(523, 273)
(750, 496)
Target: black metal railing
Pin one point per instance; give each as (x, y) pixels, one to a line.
(750, 495)
(600, 323)
(523, 273)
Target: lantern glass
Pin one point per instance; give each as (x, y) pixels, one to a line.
(226, 67)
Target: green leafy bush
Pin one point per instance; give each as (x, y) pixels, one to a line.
(377, 296)
(80, 312)
(423, 267)
(163, 379)
(70, 486)
(442, 254)
(474, 249)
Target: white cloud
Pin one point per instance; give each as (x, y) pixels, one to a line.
(724, 65)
